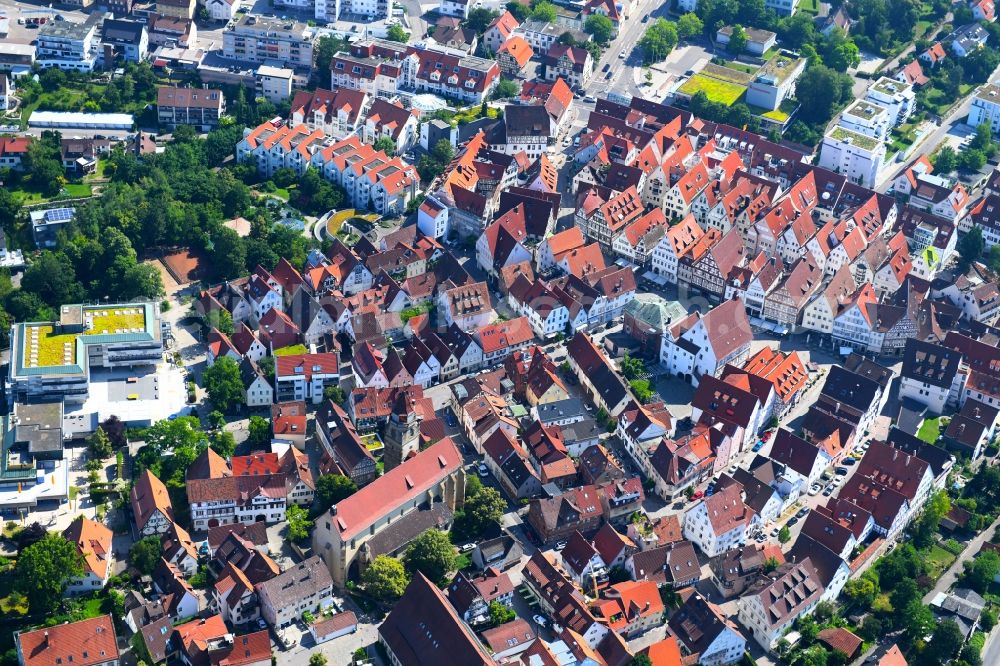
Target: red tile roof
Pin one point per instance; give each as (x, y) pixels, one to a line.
(359, 511)
(81, 643)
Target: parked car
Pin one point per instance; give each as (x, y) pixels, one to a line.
(540, 621)
(815, 488)
(766, 436)
(849, 461)
(484, 471)
(467, 548)
(606, 67)
(841, 471)
(697, 495)
(758, 446)
(560, 545)
(791, 521)
(645, 18)
(775, 531)
(826, 476)
(802, 512)
(828, 491)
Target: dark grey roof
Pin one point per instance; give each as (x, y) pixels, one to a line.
(291, 586)
(129, 32)
(570, 408)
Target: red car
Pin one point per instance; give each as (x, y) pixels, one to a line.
(697, 495)
(766, 436)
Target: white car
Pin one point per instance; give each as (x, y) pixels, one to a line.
(815, 488)
(540, 621)
(484, 471)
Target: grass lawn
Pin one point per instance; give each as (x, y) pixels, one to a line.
(741, 66)
(290, 350)
(930, 430)
(99, 172)
(717, 90)
(921, 29)
(77, 190)
(938, 560)
(808, 7)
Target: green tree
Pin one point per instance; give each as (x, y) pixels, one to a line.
(946, 160)
(44, 568)
(659, 40)
(432, 554)
(784, 534)
(600, 27)
(145, 554)
(224, 443)
(229, 253)
(335, 393)
(480, 19)
(945, 643)
(820, 91)
(517, 10)
(481, 510)
(839, 51)
(871, 628)
(332, 488)
(385, 578)
(689, 25)
(99, 444)
(299, 524)
(737, 40)
(797, 30)
(506, 89)
(938, 506)
(970, 250)
(915, 619)
(396, 33)
(323, 51)
(632, 367)
(971, 160)
(641, 660)
(223, 383)
(980, 572)
(642, 390)
(501, 614)
(544, 11)
(386, 145)
(259, 431)
(317, 659)
(861, 591)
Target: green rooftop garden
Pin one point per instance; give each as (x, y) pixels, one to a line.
(717, 90)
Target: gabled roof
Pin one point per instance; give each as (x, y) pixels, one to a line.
(148, 496)
(423, 628)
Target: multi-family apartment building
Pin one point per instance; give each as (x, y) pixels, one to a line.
(858, 156)
(260, 39)
(68, 45)
(775, 81)
(383, 69)
(305, 376)
(896, 97)
(986, 108)
(306, 587)
(200, 107)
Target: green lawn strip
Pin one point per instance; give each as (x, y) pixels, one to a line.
(938, 559)
(930, 430)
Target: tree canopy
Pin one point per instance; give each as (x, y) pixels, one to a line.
(223, 383)
(385, 578)
(431, 554)
(44, 569)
